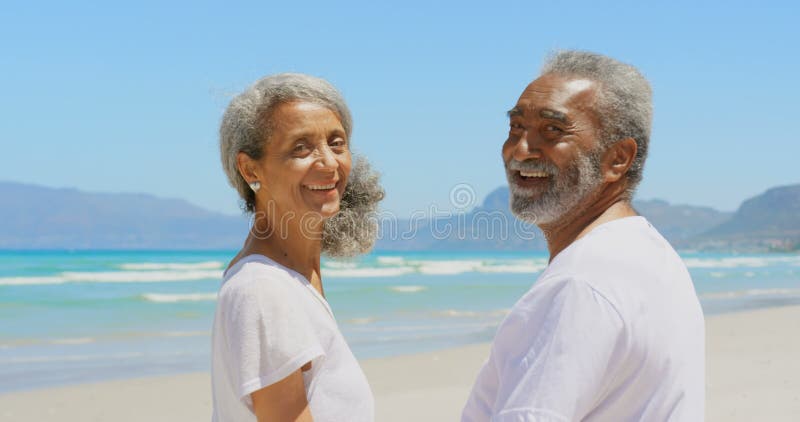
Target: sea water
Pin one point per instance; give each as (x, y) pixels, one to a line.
(70, 317)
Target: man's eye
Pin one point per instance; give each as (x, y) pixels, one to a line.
(551, 128)
(516, 126)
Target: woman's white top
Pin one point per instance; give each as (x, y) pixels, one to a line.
(269, 322)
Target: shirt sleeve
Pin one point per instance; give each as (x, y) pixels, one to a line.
(555, 354)
(268, 333)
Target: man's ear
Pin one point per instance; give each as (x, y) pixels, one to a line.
(618, 159)
(247, 167)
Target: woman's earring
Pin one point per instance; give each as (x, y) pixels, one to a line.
(255, 186)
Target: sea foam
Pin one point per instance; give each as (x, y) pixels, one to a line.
(78, 340)
(390, 260)
(367, 272)
(31, 281)
(69, 358)
(398, 266)
(455, 313)
(447, 267)
(751, 292)
(408, 289)
(340, 264)
(740, 261)
(173, 298)
(113, 277)
(208, 265)
(513, 268)
(361, 321)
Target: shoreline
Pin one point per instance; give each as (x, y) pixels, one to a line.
(751, 374)
(710, 311)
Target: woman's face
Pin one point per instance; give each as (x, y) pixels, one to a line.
(306, 162)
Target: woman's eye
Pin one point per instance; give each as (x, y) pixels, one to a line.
(515, 126)
(300, 148)
(338, 143)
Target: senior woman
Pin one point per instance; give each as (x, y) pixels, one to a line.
(278, 354)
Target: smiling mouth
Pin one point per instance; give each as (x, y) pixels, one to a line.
(530, 179)
(526, 175)
(321, 187)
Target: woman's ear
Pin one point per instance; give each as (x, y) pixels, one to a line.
(247, 167)
(618, 159)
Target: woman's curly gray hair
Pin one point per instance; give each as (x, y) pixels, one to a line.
(246, 127)
(354, 228)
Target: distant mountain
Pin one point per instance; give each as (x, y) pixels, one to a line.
(770, 221)
(35, 217)
(492, 226)
(489, 226)
(679, 223)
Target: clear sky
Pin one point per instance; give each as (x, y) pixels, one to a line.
(128, 98)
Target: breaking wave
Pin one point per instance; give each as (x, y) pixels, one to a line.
(113, 277)
(408, 289)
(173, 298)
(137, 266)
(751, 293)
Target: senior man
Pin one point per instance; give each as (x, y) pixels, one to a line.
(612, 329)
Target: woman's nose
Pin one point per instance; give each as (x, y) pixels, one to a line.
(326, 159)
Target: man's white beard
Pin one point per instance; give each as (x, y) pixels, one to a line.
(565, 191)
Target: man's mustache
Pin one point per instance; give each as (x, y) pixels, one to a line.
(532, 166)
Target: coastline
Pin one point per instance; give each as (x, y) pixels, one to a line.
(752, 373)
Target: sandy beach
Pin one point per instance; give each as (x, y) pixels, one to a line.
(753, 373)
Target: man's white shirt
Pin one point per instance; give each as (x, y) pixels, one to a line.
(611, 331)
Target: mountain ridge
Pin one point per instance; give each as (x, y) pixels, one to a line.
(38, 217)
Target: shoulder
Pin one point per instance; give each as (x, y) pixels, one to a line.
(622, 251)
(556, 306)
(563, 290)
(623, 236)
(255, 280)
(563, 312)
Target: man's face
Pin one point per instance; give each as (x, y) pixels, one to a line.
(552, 154)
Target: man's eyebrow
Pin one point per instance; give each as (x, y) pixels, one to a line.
(516, 111)
(547, 113)
(544, 113)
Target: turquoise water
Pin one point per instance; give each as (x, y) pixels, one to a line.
(68, 317)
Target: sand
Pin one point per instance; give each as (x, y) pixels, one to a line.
(753, 374)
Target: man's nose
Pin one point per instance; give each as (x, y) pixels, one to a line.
(527, 147)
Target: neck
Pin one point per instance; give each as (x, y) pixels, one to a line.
(606, 205)
(293, 244)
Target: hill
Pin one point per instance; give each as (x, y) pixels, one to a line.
(680, 223)
(769, 221)
(492, 226)
(36, 217)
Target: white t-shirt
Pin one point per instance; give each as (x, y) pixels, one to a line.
(611, 331)
(269, 322)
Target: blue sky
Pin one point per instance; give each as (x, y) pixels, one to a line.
(128, 98)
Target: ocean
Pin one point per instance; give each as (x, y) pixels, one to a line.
(72, 317)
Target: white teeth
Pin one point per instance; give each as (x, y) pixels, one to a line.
(321, 187)
(533, 174)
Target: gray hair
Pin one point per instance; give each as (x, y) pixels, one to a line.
(354, 228)
(246, 127)
(624, 101)
(247, 122)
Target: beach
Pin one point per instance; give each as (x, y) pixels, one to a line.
(753, 373)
